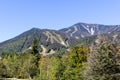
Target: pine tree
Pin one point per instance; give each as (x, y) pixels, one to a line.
(35, 46)
(35, 51)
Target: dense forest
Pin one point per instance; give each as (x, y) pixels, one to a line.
(98, 61)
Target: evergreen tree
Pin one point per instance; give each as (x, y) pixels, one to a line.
(104, 61)
(35, 46)
(35, 51)
(77, 61)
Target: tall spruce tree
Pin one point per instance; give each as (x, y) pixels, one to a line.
(35, 46)
(35, 51)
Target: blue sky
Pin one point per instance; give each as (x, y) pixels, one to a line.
(17, 16)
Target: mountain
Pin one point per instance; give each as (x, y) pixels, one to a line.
(81, 30)
(51, 41)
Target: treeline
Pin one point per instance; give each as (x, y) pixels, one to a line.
(100, 61)
(53, 67)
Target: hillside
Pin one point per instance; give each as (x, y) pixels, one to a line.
(51, 41)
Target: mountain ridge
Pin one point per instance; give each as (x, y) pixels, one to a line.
(51, 41)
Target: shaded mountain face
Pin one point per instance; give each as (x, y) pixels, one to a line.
(51, 41)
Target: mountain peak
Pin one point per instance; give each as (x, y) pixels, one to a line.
(34, 28)
(53, 40)
(81, 30)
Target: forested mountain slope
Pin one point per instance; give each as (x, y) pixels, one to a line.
(51, 41)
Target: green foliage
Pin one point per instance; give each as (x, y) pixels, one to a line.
(78, 56)
(100, 62)
(12, 47)
(35, 46)
(17, 65)
(56, 69)
(44, 66)
(103, 62)
(76, 65)
(87, 41)
(60, 67)
(35, 51)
